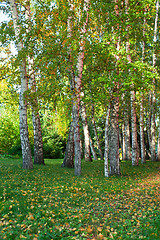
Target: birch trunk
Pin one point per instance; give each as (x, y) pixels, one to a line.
(133, 107)
(142, 144)
(126, 152)
(38, 143)
(26, 150)
(127, 136)
(69, 153)
(96, 134)
(92, 149)
(106, 150)
(158, 145)
(87, 153)
(123, 143)
(76, 78)
(153, 123)
(114, 138)
(143, 159)
(134, 130)
(114, 115)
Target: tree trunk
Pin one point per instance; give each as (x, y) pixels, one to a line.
(142, 144)
(123, 143)
(143, 159)
(76, 78)
(158, 145)
(106, 150)
(153, 123)
(87, 153)
(69, 153)
(96, 134)
(134, 130)
(127, 136)
(126, 148)
(92, 149)
(114, 115)
(133, 108)
(38, 143)
(26, 150)
(114, 137)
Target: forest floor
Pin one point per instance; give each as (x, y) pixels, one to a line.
(49, 202)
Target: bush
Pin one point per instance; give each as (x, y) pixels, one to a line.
(9, 133)
(53, 146)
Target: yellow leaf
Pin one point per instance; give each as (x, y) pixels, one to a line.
(99, 229)
(100, 236)
(89, 229)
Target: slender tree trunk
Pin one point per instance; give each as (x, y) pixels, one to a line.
(158, 145)
(148, 120)
(96, 134)
(106, 150)
(92, 149)
(26, 150)
(134, 130)
(143, 160)
(38, 143)
(127, 136)
(114, 137)
(153, 123)
(76, 78)
(133, 107)
(123, 143)
(87, 154)
(69, 153)
(114, 113)
(126, 151)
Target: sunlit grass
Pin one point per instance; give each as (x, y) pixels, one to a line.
(49, 202)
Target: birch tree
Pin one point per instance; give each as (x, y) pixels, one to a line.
(133, 99)
(114, 111)
(96, 134)
(153, 123)
(26, 150)
(76, 77)
(87, 142)
(38, 143)
(106, 150)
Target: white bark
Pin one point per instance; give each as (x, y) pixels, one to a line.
(114, 137)
(134, 130)
(133, 107)
(126, 153)
(38, 143)
(76, 78)
(96, 134)
(143, 160)
(86, 132)
(92, 149)
(158, 145)
(106, 150)
(127, 137)
(26, 151)
(153, 124)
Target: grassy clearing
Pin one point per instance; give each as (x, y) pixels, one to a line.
(49, 202)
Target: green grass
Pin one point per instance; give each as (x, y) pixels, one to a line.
(49, 202)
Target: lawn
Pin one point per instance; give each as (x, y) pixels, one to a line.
(49, 202)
